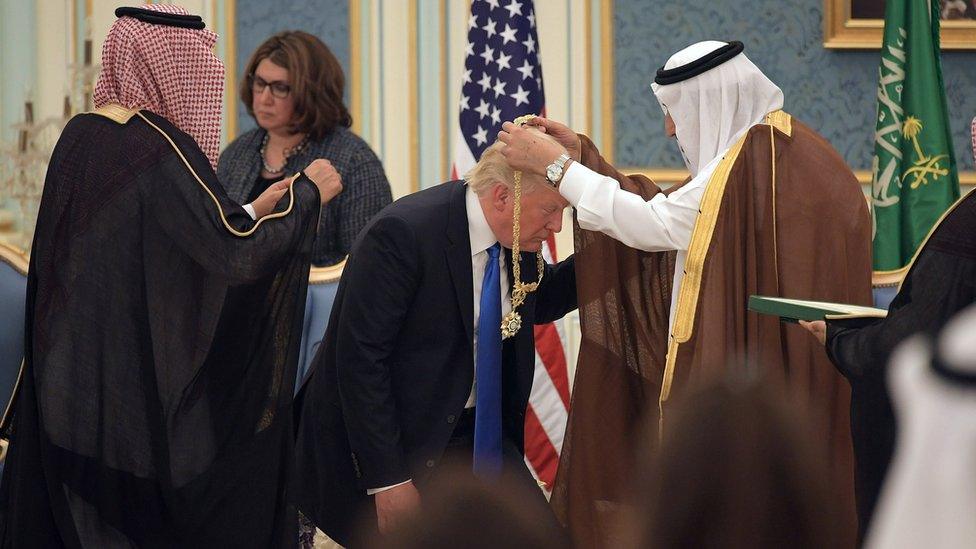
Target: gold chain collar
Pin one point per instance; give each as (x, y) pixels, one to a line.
(512, 322)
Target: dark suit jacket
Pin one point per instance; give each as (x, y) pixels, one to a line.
(396, 365)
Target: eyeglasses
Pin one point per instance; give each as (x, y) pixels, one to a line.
(279, 89)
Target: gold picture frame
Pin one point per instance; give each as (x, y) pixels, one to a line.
(843, 31)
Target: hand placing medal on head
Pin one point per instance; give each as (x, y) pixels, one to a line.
(527, 151)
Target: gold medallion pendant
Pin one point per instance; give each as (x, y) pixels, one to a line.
(512, 322)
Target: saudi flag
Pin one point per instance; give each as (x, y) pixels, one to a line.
(914, 175)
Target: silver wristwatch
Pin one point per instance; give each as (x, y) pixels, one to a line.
(555, 170)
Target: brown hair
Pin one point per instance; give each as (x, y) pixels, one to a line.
(737, 469)
(458, 510)
(316, 81)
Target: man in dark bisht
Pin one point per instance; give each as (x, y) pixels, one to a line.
(940, 282)
(163, 322)
(664, 277)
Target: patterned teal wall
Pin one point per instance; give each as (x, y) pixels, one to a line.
(832, 91)
(259, 19)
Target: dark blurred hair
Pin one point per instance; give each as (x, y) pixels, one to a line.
(316, 81)
(460, 511)
(736, 468)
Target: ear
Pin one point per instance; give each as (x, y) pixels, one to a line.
(500, 196)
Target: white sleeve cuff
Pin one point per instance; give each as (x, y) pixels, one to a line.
(574, 182)
(374, 491)
(250, 211)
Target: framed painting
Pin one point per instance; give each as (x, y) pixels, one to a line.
(858, 24)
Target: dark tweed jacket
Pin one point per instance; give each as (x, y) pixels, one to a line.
(365, 189)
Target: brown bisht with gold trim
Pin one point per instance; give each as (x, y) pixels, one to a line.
(781, 215)
(162, 336)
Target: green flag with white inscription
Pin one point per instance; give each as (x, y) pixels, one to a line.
(914, 176)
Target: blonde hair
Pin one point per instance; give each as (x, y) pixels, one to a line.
(492, 168)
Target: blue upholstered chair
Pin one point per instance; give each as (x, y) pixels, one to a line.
(13, 293)
(884, 286)
(323, 282)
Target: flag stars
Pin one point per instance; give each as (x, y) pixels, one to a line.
(464, 103)
(490, 28)
(485, 82)
(514, 8)
(493, 4)
(466, 77)
(503, 61)
(526, 69)
(496, 115)
(483, 108)
(488, 55)
(508, 34)
(469, 49)
(531, 18)
(529, 44)
(481, 136)
(520, 96)
(499, 87)
(472, 21)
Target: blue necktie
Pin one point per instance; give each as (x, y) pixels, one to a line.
(488, 386)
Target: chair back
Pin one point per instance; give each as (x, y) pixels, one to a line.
(323, 283)
(884, 287)
(13, 295)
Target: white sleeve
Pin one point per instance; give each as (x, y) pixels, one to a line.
(660, 224)
(374, 491)
(250, 211)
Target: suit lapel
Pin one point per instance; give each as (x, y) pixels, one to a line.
(458, 254)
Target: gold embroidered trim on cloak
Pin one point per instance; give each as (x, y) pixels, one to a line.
(122, 115)
(772, 157)
(781, 120)
(701, 238)
(220, 211)
(116, 112)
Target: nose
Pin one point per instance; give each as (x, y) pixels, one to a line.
(669, 129)
(265, 96)
(556, 222)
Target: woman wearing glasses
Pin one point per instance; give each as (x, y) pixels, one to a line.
(293, 89)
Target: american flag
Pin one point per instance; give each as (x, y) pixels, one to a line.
(502, 80)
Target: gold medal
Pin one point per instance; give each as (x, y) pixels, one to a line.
(511, 324)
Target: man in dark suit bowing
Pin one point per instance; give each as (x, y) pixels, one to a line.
(414, 377)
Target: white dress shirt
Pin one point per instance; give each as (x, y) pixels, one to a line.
(481, 238)
(660, 224)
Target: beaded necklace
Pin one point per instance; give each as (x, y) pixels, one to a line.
(288, 153)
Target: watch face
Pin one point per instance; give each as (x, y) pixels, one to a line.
(553, 172)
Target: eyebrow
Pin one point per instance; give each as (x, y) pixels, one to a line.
(270, 81)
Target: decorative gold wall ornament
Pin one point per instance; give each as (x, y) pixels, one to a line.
(512, 322)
